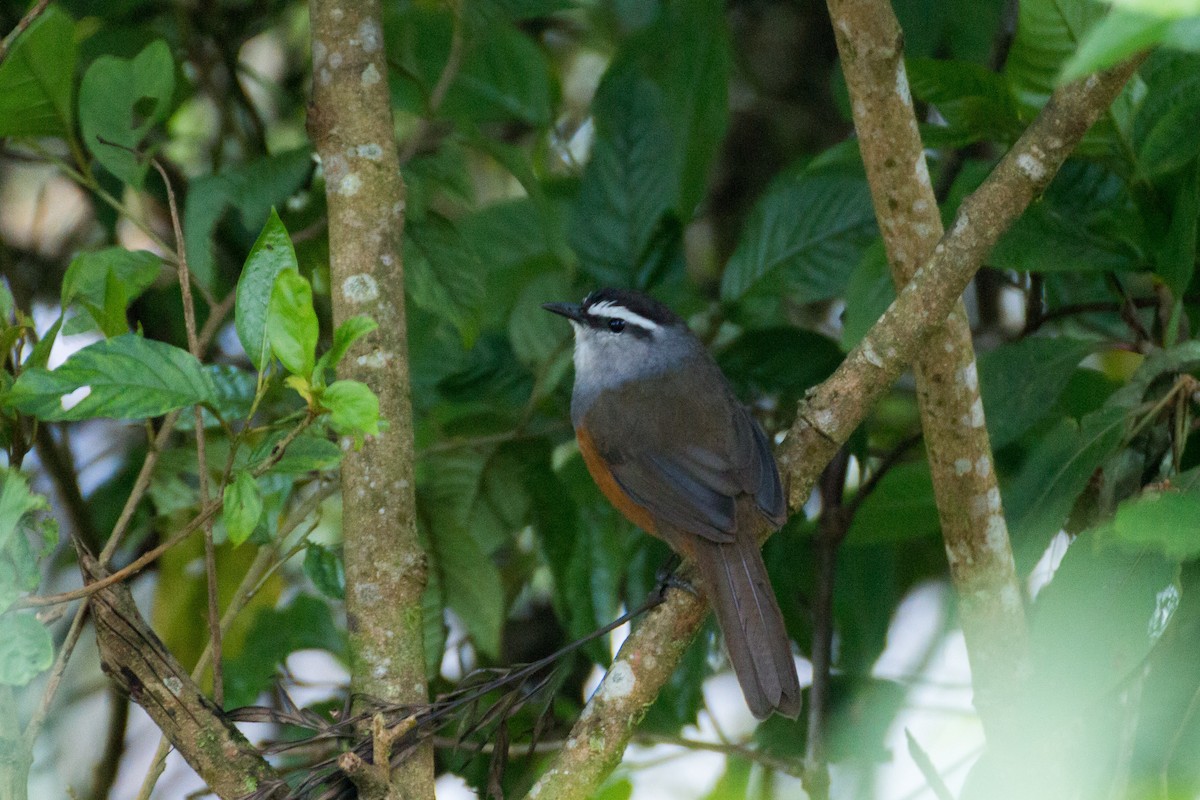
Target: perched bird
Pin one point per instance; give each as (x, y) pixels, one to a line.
(671, 447)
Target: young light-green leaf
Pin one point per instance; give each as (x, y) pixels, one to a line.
(272, 254)
(25, 649)
(242, 507)
(291, 323)
(37, 76)
(15, 502)
(353, 408)
(1165, 522)
(120, 100)
(346, 335)
(127, 377)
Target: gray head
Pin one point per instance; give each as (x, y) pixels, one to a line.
(620, 336)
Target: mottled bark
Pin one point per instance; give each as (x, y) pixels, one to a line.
(350, 122)
(956, 439)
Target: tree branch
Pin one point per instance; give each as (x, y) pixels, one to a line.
(833, 410)
(136, 659)
(870, 42)
(350, 123)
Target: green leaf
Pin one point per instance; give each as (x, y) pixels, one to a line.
(619, 227)
(1040, 496)
(504, 76)
(353, 408)
(7, 304)
(868, 294)
(105, 282)
(1116, 37)
(1163, 522)
(1086, 220)
(25, 649)
(235, 391)
(120, 100)
(781, 362)
(805, 236)
(242, 507)
(1176, 257)
(1048, 33)
(253, 189)
(272, 254)
(291, 323)
(325, 569)
(443, 274)
(904, 493)
(305, 624)
(686, 53)
(975, 102)
(1021, 382)
(37, 77)
(15, 502)
(1093, 625)
(306, 453)
(126, 377)
(536, 335)
(470, 583)
(1164, 127)
(345, 336)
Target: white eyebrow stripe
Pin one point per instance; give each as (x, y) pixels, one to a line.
(610, 309)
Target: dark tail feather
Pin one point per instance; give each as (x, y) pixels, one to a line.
(739, 590)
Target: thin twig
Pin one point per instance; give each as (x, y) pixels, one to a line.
(22, 24)
(438, 95)
(925, 764)
(831, 531)
(210, 552)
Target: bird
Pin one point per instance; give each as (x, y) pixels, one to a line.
(673, 449)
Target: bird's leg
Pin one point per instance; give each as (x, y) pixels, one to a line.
(668, 578)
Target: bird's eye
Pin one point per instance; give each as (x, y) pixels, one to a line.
(616, 325)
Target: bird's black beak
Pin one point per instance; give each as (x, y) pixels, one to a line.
(572, 311)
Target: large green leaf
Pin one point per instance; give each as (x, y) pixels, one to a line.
(127, 377)
(120, 100)
(685, 52)
(106, 281)
(622, 222)
(1021, 382)
(1165, 125)
(975, 102)
(806, 235)
(504, 76)
(1176, 255)
(1093, 625)
(1041, 495)
(904, 493)
(1048, 32)
(1085, 221)
(26, 535)
(443, 274)
(37, 76)
(272, 254)
(1164, 522)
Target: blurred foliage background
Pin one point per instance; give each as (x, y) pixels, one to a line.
(696, 150)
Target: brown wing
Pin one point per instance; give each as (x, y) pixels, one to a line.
(687, 468)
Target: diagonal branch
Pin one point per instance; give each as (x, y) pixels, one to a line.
(870, 42)
(136, 659)
(833, 410)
